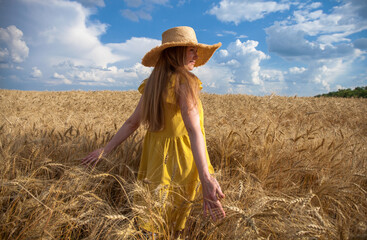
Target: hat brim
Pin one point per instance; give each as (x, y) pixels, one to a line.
(205, 52)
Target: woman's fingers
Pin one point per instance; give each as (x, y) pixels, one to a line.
(205, 206)
(220, 209)
(212, 193)
(93, 157)
(212, 213)
(219, 189)
(85, 160)
(208, 209)
(215, 209)
(88, 159)
(96, 161)
(220, 193)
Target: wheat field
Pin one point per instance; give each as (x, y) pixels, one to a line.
(291, 168)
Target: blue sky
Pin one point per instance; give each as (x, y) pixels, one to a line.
(283, 47)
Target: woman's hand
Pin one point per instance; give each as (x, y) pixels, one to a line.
(94, 157)
(212, 193)
(131, 124)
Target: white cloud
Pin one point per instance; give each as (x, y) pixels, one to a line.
(297, 70)
(67, 46)
(272, 75)
(4, 54)
(63, 32)
(215, 77)
(237, 11)
(361, 43)
(141, 9)
(92, 3)
(237, 69)
(274, 81)
(221, 79)
(315, 5)
(320, 76)
(133, 49)
(135, 16)
(182, 2)
(36, 73)
(158, 2)
(128, 77)
(59, 79)
(292, 44)
(329, 28)
(321, 42)
(133, 3)
(231, 33)
(244, 60)
(13, 49)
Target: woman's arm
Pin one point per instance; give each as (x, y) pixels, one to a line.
(210, 187)
(131, 124)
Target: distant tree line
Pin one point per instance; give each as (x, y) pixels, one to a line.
(358, 92)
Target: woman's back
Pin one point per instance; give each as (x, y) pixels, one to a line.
(173, 122)
(172, 141)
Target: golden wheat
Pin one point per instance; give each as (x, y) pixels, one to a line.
(290, 167)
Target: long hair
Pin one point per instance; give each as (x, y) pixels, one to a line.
(171, 61)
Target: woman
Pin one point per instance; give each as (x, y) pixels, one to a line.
(174, 148)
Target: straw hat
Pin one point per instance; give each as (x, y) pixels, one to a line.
(180, 36)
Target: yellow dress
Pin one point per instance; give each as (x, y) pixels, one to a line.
(167, 165)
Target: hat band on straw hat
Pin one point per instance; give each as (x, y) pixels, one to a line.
(180, 36)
